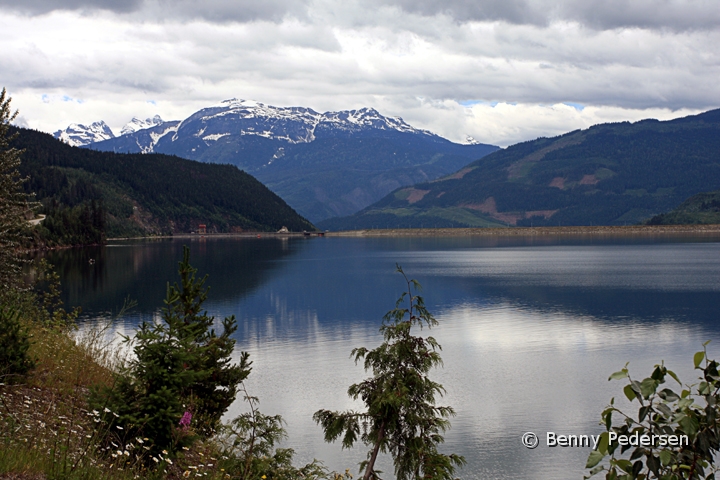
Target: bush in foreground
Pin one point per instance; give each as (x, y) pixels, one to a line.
(689, 412)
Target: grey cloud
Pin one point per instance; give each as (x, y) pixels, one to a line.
(221, 11)
(216, 11)
(676, 15)
(39, 7)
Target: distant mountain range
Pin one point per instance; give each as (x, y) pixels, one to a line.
(609, 174)
(87, 194)
(323, 164)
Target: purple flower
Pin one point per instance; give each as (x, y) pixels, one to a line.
(185, 420)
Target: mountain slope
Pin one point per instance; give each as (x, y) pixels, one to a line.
(323, 164)
(703, 208)
(609, 174)
(143, 194)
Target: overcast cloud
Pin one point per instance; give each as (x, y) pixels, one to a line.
(499, 71)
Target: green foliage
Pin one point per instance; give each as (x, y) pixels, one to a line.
(182, 370)
(13, 201)
(401, 417)
(14, 345)
(689, 413)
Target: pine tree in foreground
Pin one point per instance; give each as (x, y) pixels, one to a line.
(13, 201)
(401, 417)
(181, 379)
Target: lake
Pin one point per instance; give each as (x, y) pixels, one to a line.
(530, 327)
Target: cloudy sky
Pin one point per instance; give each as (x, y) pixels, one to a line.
(501, 71)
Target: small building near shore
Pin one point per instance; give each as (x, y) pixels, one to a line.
(283, 230)
(202, 229)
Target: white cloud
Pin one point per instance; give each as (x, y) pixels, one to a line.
(99, 60)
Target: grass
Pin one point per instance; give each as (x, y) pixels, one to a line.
(47, 430)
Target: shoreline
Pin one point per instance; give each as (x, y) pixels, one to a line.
(643, 230)
(535, 231)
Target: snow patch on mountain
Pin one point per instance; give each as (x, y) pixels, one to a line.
(215, 136)
(136, 124)
(78, 135)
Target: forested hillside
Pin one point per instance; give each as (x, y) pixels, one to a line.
(703, 208)
(89, 195)
(609, 174)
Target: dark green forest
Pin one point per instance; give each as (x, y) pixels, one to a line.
(88, 196)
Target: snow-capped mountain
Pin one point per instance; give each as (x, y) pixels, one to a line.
(136, 124)
(78, 135)
(291, 124)
(323, 164)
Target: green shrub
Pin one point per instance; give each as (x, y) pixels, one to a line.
(181, 380)
(690, 416)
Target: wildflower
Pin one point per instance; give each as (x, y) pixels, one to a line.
(106, 410)
(186, 473)
(140, 440)
(165, 452)
(155, 459)
(185, 420)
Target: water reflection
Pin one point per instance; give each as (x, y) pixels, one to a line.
(141, 270)
(531, 328)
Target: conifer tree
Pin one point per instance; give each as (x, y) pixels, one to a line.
(401, 417)
(13, 201)
(181, 380)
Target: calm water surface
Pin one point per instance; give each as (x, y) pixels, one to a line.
(530, 328)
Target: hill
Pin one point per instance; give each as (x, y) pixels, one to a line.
(87, 195)
(323, 164)
(703, 208)
(609, 174)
